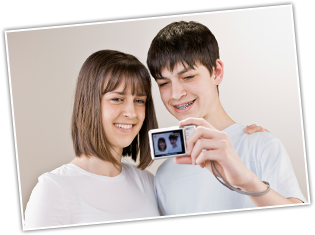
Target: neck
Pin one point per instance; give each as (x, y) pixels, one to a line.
(218, 118)
(97, 166)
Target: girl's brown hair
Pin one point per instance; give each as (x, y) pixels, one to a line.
(102, 72)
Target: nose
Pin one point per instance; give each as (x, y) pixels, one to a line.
(130, 110)
(178, 90)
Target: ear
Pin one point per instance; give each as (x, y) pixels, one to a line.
(218, 72)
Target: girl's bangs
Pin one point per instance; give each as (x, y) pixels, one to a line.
(135, 79)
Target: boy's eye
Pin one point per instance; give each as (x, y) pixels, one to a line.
(163, 84)
(189, 77)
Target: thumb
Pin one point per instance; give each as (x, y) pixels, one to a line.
(183, 160)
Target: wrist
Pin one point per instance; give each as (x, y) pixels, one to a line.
(254, 184)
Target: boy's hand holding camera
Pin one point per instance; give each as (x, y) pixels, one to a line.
(221, 151)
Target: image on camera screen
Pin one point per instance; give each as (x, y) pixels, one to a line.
(168, 143)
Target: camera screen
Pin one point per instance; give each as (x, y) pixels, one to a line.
(168, 143)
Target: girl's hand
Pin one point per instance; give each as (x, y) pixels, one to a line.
(254, 128)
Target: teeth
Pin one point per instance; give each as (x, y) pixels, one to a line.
(126, 127)
(184, 106)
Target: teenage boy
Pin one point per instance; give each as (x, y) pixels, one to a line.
(173, 140)
(184, 60)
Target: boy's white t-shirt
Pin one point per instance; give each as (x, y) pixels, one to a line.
(70, 195)
(185, 189)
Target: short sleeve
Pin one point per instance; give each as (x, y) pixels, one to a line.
(278, 171)
(46, 207)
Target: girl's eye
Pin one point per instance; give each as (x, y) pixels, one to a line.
(139, 101)
(116, 99)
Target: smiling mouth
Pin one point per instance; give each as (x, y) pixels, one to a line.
(184, 106)
(124, 126)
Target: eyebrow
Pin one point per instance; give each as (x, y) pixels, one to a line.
(179, 73)
(184, 70)
(118, 92)
(124, 93)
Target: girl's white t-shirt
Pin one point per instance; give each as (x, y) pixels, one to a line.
(70, 195)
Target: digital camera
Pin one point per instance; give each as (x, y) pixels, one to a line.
(169, 142)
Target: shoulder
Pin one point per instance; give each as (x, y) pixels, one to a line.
(46, 206)
(259, 140)
(57, 174)
(134, 171)
(58, 179)
(165, 167)
(48, 188)
(255, 147)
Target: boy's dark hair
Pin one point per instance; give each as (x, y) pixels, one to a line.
(185, 42)
(173, 136)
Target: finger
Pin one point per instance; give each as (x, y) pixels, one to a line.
(195, 121)
(249, 128)
(203, 133)
(252, 129)
(204, 146)
(183, 160)
(202, 165)
(206, 156)
(208, 166)
(257, 129)
(218, 167)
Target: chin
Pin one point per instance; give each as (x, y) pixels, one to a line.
(122, 144)
(181, 116)
(126, 145)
